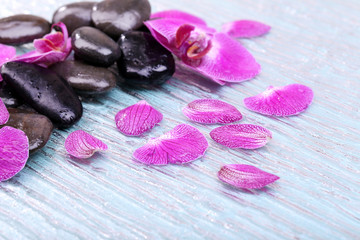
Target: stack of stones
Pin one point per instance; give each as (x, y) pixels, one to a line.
(110, 45)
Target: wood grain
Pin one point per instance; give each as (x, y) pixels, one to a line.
(316, 154)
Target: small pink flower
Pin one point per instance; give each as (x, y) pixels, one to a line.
(80, 144)
(137, 119)
(281, 101)
(245, 176)
(214, 54)
(247, 136)
(14, 152)
(181, 145)
(50, 49)
(4, 113)
(210, 111)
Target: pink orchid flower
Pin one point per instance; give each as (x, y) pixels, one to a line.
(50, 49)
(215, 55)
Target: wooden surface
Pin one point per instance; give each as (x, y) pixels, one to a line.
(316, 154)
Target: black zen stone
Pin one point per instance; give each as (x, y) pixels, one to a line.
(19, 29)
(115, 17)
(144, 60)
(74, 15)
(44, 91)
(37, 127)
(8, 96)
(93, 46)
(85, 78)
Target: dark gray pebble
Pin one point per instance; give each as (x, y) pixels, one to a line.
(44, 91)
(22, 28)
(94, 47)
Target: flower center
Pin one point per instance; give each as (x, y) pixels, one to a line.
(192, 45)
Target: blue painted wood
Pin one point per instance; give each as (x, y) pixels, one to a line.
(316, 154)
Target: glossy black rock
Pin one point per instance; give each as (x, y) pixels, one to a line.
(37, 127)
(8, 96)
(115, 17)
(93, 46)
(85, 78)
(45, 91)
(74, 15)
(144, 60)
(22, 28)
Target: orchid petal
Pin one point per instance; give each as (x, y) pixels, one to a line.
(80, 144)
(181, 145)
(227, 61)
(4, 113)
(51, 42)
(247, 136)
(245, 176)
(245, 29)
(185, 17)
(137, 119)
(210, 111)
(14, 152)
(281, 101)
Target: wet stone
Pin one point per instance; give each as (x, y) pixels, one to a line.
(44, 91)
(115, 17)
(94, 47)
(74, 15)
(144, 62)
(8, 96)
(22, 28)
(37, 127)
(84, 78)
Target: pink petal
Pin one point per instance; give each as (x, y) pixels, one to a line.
(80, 144)
(246, 136)
(281, 101)
(181, 145)
(7, 53)
(210, 111)
(228, 61)
(14, 152)
(245, 176)
(50, 42)
(245, 29)
(185, 17)
(4, 114)
(137, 119)
(164, 30)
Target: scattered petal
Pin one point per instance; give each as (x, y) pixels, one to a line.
(181, 145)
(186, 17)
(281, 101)
(137, 119)
(210, 111)
(4, 114)
(245, 176)
(52, 48)
(245, 29)
(7, 53)
(246, 136)
(80, 144)
(14, 152)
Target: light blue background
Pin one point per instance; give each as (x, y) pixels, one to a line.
(316, 154)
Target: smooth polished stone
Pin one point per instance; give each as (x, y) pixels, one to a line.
(84, 78)
(94, 47)
(37, 127)
(8, 96)
(115, 17)
(44, 91)
(22, 28)
(144, 60)
(74, 15)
